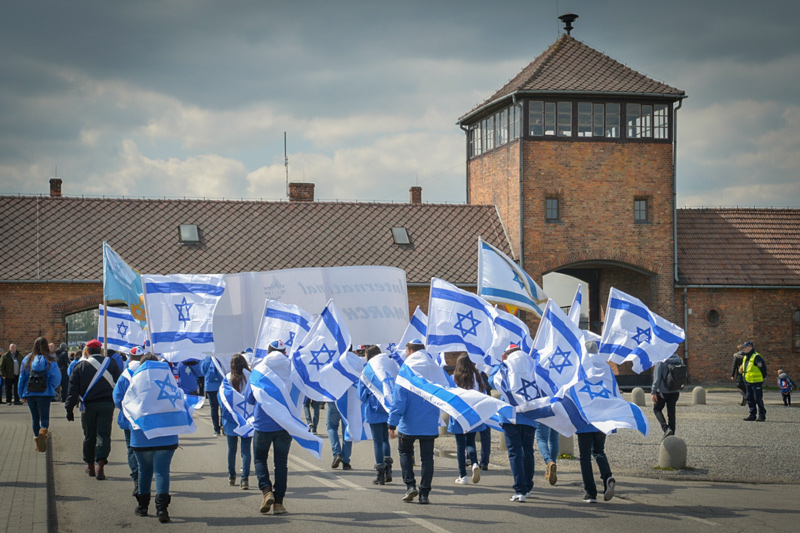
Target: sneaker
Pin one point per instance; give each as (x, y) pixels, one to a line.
(462, 480)
(476, 473)
(589, 499)
(267, 502)
(337, 460)
(757, 420)
(41, 443)
(552, 478)
(668, 433)
(518, 498)
(232, 481)
(423, 499)
(216, 433)
(610, 484)
(749, 419)
(485, 467)
(245, 485)
(346, 466)
(411, 493)
(278, 508)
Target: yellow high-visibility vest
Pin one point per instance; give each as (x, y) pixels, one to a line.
(751, 372)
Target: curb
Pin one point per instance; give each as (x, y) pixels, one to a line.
(52, 514)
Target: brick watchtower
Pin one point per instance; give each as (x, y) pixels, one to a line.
(578, 154)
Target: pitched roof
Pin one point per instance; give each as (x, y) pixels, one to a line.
(570, 66)
(739, 246)
(48, 238)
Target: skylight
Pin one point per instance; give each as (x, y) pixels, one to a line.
(190, 234)
(400, 235)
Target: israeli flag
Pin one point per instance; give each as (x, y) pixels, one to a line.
(284, 322)
(320, 368)
(575, 308)
(180, 310)
(122, 283)
(508, 329)
(599, 400)
(235, 403)
(634, 333)
(356, 428)
(557, 349)
(379, 376)
(195, 401)
(470, 408)
(459, 321)
(272, 388)
(123, 331)
(503, 281)
(155, 404)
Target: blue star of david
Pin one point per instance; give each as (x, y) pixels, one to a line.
(602, 393)
(315, 356)
(391, 347)
(243, 408)
(174, 393)
(519, 281)
(122, 329)
(474, 323)
(183, 310)
(388, 381)
(646, 333)
(291, 339)
(523, 391)
(565, 362)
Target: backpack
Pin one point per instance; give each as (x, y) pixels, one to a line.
(37, 380)
(676, 376)
(784, 385)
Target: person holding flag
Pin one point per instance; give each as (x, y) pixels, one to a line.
(212, 380)
(231, 396)
(134, 360)
(467, 377)
(378, 375)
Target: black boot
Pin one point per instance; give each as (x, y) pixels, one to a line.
(388, 472)
(381, 479)
(144, 503)
(135, 487)
(162, 502)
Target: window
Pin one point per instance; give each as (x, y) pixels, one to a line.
(612, 120)
(488, 134)
(585, 119)
(640, 121)
(796, 331)
(640, 211)
(565, 119)
(189, 234)
(478, 140)
(400, 235)
(712, 317)
(502, 127)
(542, 118)
(516, 116)
(551, 210)
(660, 122)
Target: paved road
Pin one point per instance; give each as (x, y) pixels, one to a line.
(332, 500)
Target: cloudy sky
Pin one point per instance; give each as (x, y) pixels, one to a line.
(191, 98)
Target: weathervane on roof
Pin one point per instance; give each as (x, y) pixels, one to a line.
(568, 19)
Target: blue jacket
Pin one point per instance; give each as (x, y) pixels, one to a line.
(371, 408)
(138, 438)
(228, 422)
(119, 393)
(213, 379)
(39, 364)
(189, 374)
(412, 415)
(261, 420)
(72, 365)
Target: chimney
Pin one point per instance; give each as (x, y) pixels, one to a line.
(416, 194)
(301, 192)
(55, 188)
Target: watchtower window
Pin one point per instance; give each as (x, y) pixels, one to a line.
(640, 211)
(551, 210)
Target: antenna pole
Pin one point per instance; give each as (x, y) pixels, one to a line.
(286, 162)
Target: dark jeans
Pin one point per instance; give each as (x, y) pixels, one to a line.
(311, 421)
(154, 462)
(11, 390)
(486, 445)
(406, 448)
(755, 399)
(64, 386)
(787, 398)
(213, 401)
(40, 412)
(519, 441)
(133, 463)
(465, 449)
(233, 444)
(380, 442)
(262, 440)
(593, 445)
(96, 422)
(668, 399)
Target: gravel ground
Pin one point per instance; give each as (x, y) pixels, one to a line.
(720, 445)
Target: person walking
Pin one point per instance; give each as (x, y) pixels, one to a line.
(736, 374)
(466, 377)
(212, 381)
(239, 379)
(591, 444)
(754, 370)
(786, 384)
(547, 441)
(340, 450)
(121, 387)
(376, 416)
(91, 388)
(311, 406)
(62, 359)
(39, 378)
(9, 369)
(662, 395)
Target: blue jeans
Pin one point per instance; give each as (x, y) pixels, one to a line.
(593, 445)
(213, 401)
(133, 464)
(380, 441)
(547, 439)
(308, 406)
(233, 443)
(519, 441)
(465, 448)
(334, 418)
(262, 441)
(154, 462)
(40, 412)
(486, 445)
(755, 399)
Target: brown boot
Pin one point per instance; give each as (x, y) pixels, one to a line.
(267, 502)
(101, 475)
(36, 443)
(90, 469)
(41, 442)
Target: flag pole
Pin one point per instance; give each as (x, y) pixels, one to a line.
(105, 327)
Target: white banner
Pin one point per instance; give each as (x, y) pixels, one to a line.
(372, 302)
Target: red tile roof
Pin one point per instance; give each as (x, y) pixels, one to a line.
(48, 238)
(570, 66)
(739, 246)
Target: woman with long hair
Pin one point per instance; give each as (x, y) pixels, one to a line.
(467, 377)
(39, 377)
(239, 379)
(376, 416)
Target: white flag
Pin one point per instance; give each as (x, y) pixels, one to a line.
(123, 330)
(502, 281)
